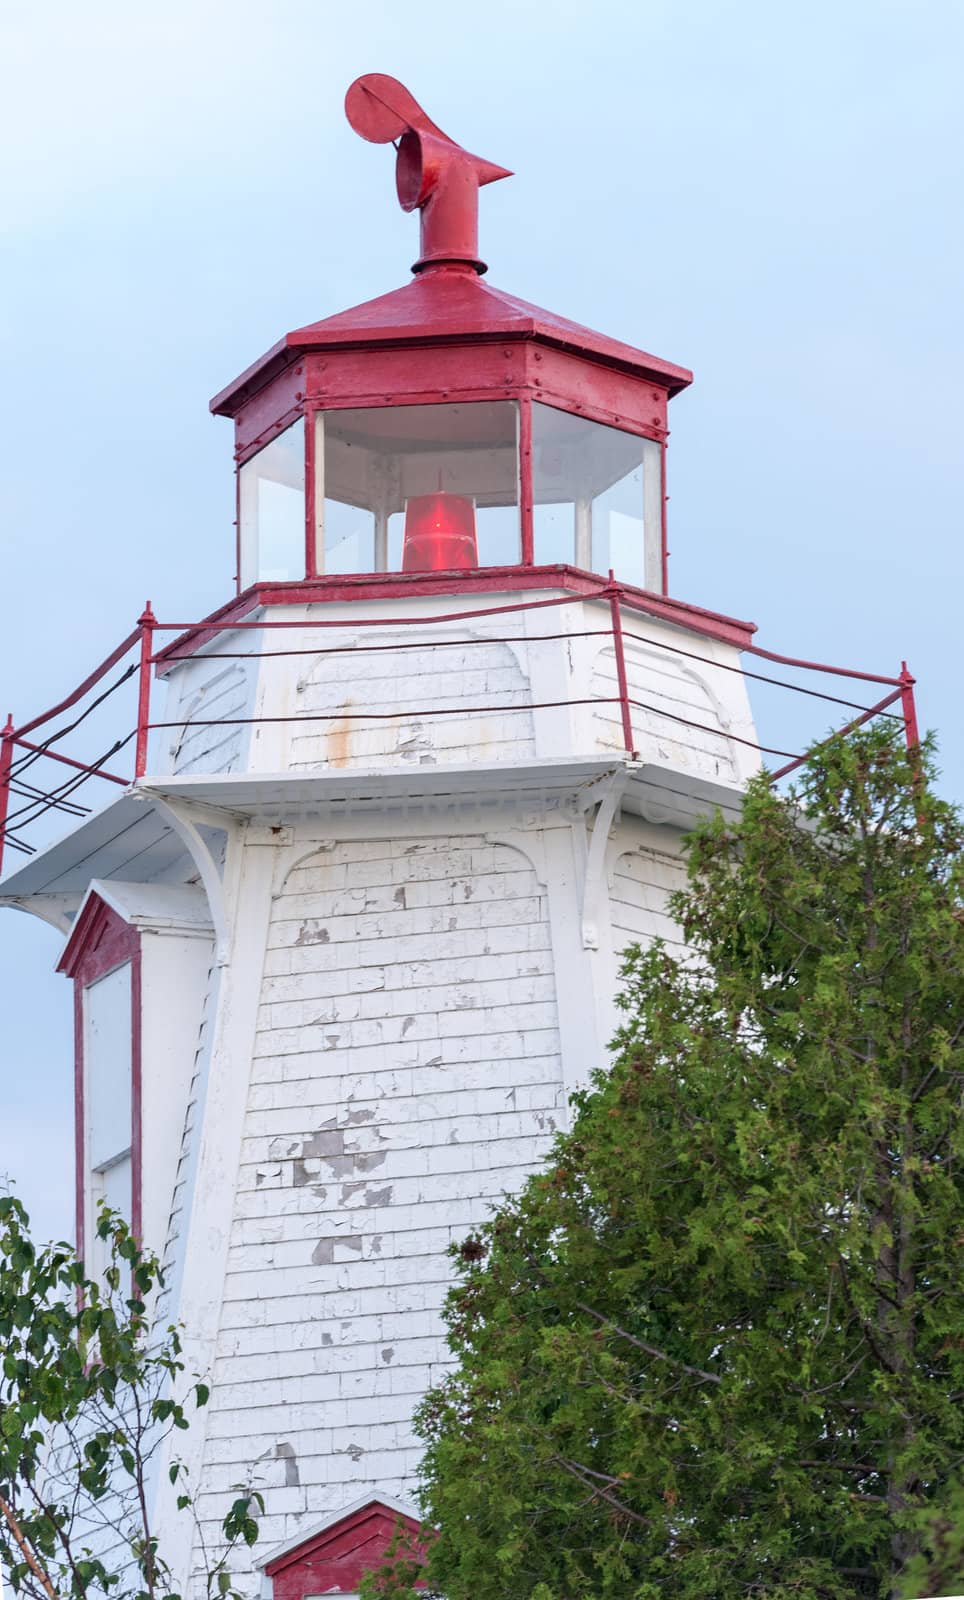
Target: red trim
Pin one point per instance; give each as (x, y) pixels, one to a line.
(438, 310)
(620, 655)
(460, 375)
(335, 1560)
(525, 482)
(664, 509)
(485, 580)
(137, 1148)
(311, 554)
(81, 690)
(237, 530)
(146, 625)
(820, 666)
(101, 941)
(908, 706)
(6, 762)
(68, 761)
(840, 733)
(80, 1189)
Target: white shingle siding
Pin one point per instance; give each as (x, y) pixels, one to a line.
(406, 1075)
(385, 1052)
(642, 881)
(673, 697)
(181, 1196)
(420, 679)
(538, 685)
(210, 696)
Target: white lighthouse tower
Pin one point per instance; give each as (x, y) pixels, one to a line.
(347, 943)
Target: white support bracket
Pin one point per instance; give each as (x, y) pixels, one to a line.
(609, 792)
(184, 817)
(56, 909)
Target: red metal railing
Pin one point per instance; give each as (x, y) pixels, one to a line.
(38, 801)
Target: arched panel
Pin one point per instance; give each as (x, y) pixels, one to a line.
(463, 701)
(675, 715)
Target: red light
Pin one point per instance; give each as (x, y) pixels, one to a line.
(439, 533)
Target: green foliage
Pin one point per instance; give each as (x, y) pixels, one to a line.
(716, 1347)
(938, 1566)
(87, 1393)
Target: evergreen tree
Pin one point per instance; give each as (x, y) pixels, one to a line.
(716, 1348)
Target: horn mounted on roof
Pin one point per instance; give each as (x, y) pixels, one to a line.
(433, 174)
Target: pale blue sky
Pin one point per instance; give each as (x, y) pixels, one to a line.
(770, 194)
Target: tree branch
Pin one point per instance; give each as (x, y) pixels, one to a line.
(650, 1349)
(20, 1541)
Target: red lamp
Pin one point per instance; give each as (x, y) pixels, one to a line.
(439, 533)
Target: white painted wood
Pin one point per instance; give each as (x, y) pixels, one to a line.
(169, 908)
(418, 926)
(206, 1232)
(175, 969)
(178, 814)
(653, 491)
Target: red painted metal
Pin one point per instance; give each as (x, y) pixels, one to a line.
(433, 174)
(437, 309)
(81, 690)
(437, 644)
(450, 370)
(664, 532)
(312, 566)
(68, 761)
(146, 623)
(137, 1148)
(80, 1132)
(379, 586)
(872, 711)
(908, 706)
(439, 533)
(525, 483)
(736, 666)
(621, 679)
(6, 761)
(817, 666)
(335, 1560)
(447, 336)
(101, 941)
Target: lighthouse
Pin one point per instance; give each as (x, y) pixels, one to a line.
(346, 944)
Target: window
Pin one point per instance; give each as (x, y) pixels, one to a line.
(597, 497)
(107, 1102)
(272, 510)
(418, 488)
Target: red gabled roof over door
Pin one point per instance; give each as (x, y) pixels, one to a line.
(334, 1558)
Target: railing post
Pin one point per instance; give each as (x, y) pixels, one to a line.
(621, 679)
(6, 762)
(146, 623)
(908, 706)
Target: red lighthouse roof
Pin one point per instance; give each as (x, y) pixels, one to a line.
(446, 305)
(447, 301)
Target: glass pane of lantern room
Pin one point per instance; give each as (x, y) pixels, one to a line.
(597, 497)
(420, 488)
(272, 510)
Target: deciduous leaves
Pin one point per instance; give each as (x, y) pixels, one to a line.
(88, 1387)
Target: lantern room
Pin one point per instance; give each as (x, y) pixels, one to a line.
(447, 428)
